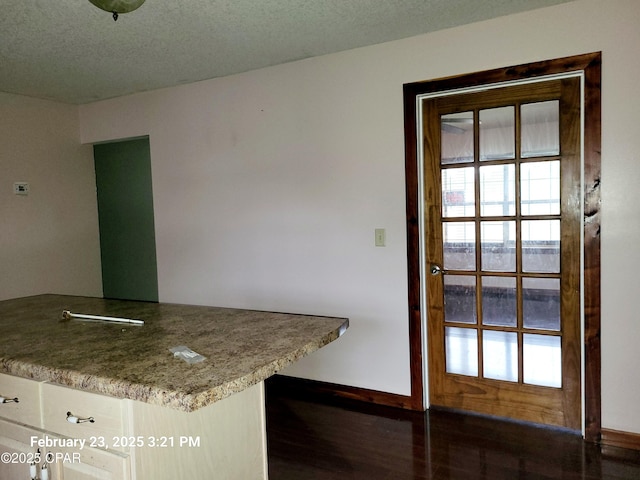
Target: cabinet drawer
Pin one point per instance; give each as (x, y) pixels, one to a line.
(106, 412)
(27, 409)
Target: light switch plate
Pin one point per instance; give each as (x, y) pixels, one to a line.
(380, 237)
(21, 188)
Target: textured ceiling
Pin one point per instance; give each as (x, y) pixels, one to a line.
(70, 51)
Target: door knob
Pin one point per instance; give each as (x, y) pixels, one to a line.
(436, 269)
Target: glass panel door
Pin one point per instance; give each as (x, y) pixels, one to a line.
(497, 317)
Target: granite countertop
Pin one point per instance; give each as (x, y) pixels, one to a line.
(242, 347)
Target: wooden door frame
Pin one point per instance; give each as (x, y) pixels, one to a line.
(590, 66)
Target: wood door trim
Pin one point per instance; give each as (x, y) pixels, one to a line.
(590, 64)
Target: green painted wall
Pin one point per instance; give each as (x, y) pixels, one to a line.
(125, 211)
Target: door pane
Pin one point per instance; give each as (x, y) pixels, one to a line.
(540, 133)
(457, 138)
(541, 246)
(497, 190)
(460, 298)
(540, 188)
(541, 303)
(497, 133)
(461, 351)
(542, 359)
(499, 303)
(498, 249)
(500, 355)
(459, 245)
(458, 192)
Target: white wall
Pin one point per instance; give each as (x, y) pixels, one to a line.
(268, 185)
(49, 239)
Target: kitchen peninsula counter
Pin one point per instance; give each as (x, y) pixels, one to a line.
(140, 411)
(241, 347)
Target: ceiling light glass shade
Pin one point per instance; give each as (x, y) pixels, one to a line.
(118, 6)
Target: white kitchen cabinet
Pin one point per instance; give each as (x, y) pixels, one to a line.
(120, 439)
(19, 419)
(36, 417)
(17, 452)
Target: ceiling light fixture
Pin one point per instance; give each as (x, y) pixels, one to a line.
(117, 6)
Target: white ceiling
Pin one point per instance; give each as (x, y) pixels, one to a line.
(70, 51)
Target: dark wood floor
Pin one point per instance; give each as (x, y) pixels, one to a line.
(323, 441)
